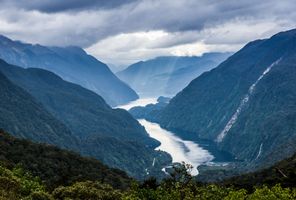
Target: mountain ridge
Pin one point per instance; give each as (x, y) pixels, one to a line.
(72, 64)
(97, 128)
(17, 107)
(209, 102)
(167, 75)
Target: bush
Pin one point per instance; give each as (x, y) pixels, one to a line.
(87, 190)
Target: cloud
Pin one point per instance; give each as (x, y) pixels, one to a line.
(120, 31)
(53, 6)
(228, 37)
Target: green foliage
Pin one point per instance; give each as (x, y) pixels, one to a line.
(54, 166)
(209, 192)
(40, 195)
(9, 188)
(182, 173)
(29, 183)
(236, 195)
(274, 193)
(17, 184)
(87, 190)
(177, 187)
(283, 172)
(129, 156)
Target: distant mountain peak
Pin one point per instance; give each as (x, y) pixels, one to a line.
(167, 75)
(73, 64)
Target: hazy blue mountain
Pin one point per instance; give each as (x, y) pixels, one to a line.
(112, 136)
(72, 64)
(150, 112)
(24, 117)
(168, 75)
(246, 104)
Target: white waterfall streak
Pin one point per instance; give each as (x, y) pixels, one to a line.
(260, 150)
(153, 163)
(243, 102)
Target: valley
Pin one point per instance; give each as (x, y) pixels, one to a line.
(180, 150)
(147, 100)
(138, 102)
(193, 152)
(235, 107)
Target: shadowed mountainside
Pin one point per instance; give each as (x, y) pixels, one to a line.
(246, 104)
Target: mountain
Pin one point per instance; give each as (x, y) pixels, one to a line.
(283, 173)
(150, 112)
(73, 64)
(246, 104)
(84, 112)
(23, 116)
(56, 166)
(112, 136)
(168, 75)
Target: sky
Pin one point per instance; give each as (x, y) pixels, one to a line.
(121, 32)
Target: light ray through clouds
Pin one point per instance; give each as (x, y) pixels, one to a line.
(122, 32)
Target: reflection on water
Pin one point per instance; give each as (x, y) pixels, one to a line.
(138, 102)
(180, 150)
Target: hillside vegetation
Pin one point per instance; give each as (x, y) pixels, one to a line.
(45, 108)
(55, 166)
(246, 105)
(43, 172)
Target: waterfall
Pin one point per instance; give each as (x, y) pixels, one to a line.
(153, 163)
(260, 150)
(243, 102)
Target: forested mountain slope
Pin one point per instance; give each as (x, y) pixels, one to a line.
(23, 116)
(55, 166)
(246, 104)
(84, 112)
(111, 135)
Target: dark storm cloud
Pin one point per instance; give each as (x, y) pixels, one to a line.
(223, 23)
(52, 6)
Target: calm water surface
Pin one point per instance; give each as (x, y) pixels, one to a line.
(180, 150)
(138, 102)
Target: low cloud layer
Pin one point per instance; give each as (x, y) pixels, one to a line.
(125, 31)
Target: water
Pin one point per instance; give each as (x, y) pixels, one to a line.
(138, 102)
(180, 150)
(260, 151)
(195, 152)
